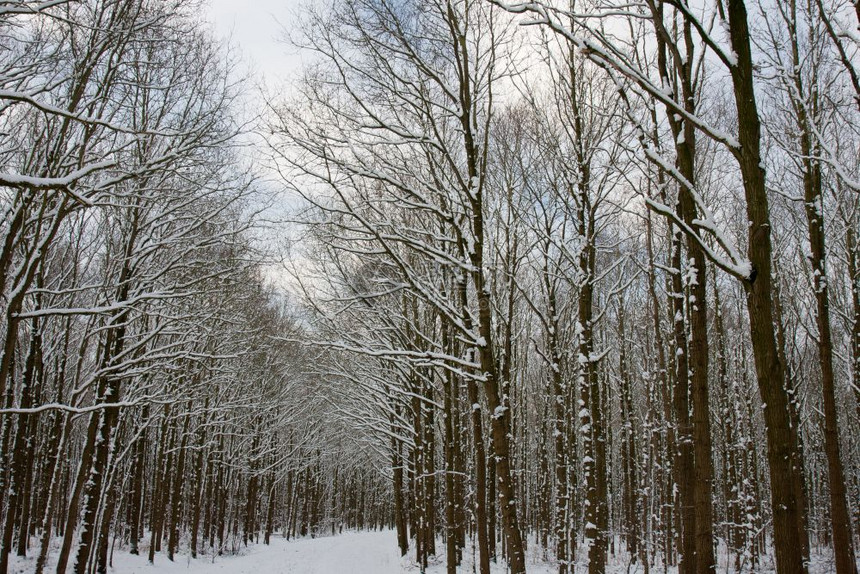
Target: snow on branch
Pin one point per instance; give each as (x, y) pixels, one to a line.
(19, 8)
(78, 410)
(608, 57)
(733, 263)
(64, 184)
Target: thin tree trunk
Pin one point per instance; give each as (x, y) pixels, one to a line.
(197, 488)
(480, 480)
(451, 555)
(631, 522)
(176, 492)
(399, 512)
(20, 450)
(135, 497)
(843, 542)
(74, 499)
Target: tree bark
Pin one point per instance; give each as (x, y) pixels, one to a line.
(843, 541)
(770, 372)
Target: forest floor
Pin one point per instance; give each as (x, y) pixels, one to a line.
(348, 553)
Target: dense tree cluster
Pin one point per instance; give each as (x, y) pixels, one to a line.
(150, 394)
(592, 279)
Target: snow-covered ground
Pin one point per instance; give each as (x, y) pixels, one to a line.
(349, 553)
(358, 552)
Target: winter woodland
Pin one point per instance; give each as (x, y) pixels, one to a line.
(549, 286)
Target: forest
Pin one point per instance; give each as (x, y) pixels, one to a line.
(554, 285)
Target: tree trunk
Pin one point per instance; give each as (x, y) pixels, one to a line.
(451, 555)
(480, 480)
(770, 372)
(399, 512)
(135, 496)
(74, 499)
(843, 542)
(176, 492)
(631, 522)
(20, 450)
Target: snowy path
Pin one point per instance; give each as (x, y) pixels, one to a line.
(356, 552)
(350, 553)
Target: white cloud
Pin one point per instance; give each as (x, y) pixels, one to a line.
(256, 28)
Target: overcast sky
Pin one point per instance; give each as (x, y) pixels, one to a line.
(256, 28)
